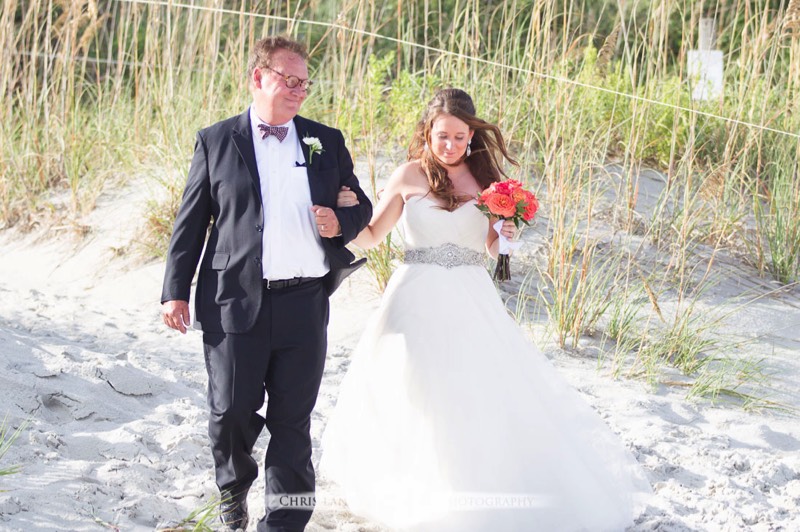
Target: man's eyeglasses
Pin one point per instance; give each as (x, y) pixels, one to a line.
(293, 81)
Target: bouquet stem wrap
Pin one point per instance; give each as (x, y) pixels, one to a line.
(505, 246)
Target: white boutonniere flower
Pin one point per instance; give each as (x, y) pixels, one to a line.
(314, 146)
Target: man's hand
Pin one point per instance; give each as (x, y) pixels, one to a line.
(327, 222)
(176, 314)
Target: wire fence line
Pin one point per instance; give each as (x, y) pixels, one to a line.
(520, 70)
(85, 58)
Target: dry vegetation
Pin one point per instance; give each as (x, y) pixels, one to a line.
(95, 91)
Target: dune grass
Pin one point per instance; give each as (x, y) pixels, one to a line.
(7, 439)
(204, 518)
(97, 90)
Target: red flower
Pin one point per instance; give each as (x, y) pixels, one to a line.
(508, 186)
(531, 206)
(508, 200)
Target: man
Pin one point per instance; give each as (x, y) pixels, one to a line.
(266, 181)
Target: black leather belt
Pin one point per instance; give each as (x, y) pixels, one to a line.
(278, 284)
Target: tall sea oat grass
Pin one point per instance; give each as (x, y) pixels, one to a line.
(777, 209)
(95, 90)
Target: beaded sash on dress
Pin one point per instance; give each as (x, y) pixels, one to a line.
(448, 255)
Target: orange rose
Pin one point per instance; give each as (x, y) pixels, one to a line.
(501, 205)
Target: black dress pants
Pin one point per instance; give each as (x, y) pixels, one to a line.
(284, 356)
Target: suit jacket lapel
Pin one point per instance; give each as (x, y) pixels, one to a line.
(243, 139)
(303, 126)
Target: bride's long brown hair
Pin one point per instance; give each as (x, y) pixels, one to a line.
(487, 146)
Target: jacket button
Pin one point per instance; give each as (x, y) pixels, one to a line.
(257, 260)
(259, 228)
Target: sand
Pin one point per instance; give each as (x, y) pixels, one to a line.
(117, 414)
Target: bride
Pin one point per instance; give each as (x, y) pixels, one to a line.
(448, 419)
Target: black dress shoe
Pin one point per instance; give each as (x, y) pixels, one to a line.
(233, 514)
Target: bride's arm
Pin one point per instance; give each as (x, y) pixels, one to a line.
(386, 214)
(492, 240)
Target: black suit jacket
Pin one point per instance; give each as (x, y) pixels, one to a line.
(223, 189)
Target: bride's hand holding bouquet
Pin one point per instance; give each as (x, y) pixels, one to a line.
(507, 200)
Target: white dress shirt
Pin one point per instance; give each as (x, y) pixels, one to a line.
(291, 243)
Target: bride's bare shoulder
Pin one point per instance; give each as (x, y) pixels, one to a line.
(409, 179)
(410, 171)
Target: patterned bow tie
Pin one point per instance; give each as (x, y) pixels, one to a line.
(279, 131)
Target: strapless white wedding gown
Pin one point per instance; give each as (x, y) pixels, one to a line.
(449, 419)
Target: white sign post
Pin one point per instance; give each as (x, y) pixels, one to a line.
(705, 64)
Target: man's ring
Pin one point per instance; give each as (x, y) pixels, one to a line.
(322, 227)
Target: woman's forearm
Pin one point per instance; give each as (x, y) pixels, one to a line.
(366, 239)
(493, 248)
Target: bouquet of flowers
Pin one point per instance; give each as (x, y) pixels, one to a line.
(507, 200)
